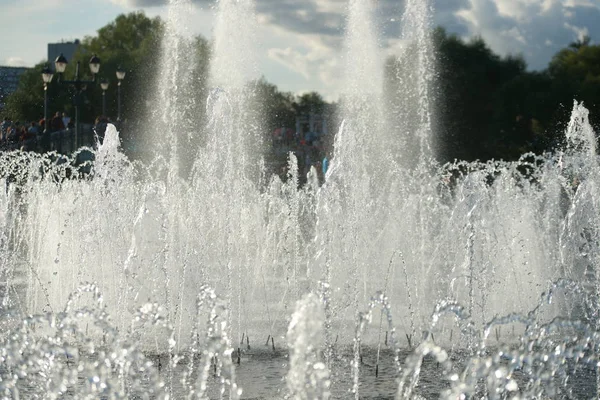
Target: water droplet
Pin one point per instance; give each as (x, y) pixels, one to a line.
(512, 386)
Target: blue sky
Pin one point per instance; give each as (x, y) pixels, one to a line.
(300, 41)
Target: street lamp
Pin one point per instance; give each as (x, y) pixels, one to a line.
(79, 84)
(120, 77)
(47, 78)
(104, 86)
(60, 63)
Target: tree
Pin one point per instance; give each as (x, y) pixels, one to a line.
(27, 102)
(130, 41)
(277, 108)
(471, 79)
(280, 110)
(586, 40)
(309, 102)
(575, 75)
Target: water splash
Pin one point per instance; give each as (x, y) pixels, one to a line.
(491, 237)
(308, 376)
(409, 105)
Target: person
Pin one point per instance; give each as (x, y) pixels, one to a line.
(29, 137)
(45, 140)
(66, 119)
(56, 124)
(4, 127)
(100, 129)
(33, 128)
(12, 136)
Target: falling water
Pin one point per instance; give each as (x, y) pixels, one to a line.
(176, 87)
(488, 269)
(409, 104)
(230, 167)
(308, 377)
(357, 177)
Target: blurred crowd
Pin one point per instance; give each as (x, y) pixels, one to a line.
(56, 134)
(32, 135)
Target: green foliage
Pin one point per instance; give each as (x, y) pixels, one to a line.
(131, 41)
(492, 107)
(575, 74)
(310, 102)
(280, 110)
(27, 103)
(471, 77)
(487, 106)
(277, 108)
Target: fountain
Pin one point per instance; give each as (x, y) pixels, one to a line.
(396, 278)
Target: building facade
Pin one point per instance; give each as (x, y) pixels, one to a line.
(9, 82)
(67, 49)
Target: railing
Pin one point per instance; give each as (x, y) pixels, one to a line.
(63, 142)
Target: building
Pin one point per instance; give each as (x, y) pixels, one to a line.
(67, 49)
(9, 82)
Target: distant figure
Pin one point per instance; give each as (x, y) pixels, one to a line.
(33, 129)
(56, 124)
(45, 141)
(29, 137)
(4, 127)
(100, 130)
(325, 165)
(66, 119)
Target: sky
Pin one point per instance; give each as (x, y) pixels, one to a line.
(300, 42)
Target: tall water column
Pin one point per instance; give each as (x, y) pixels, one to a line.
(410, 99)
(228, 172)
(357, 179)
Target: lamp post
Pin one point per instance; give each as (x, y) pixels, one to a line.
(104, 86)
(79, 84)
(120, 77)
(47, 78)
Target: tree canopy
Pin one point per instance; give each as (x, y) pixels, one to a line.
(492, 107)
(487, 106)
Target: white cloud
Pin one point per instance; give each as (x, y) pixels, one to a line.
(536, 29)
(14, 62)
(580, 32)
(514, 34)
(30, 25)
(300, 41)
(314, 58)
(311, 30)
(292, 59)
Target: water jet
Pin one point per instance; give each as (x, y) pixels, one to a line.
(185, 267)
